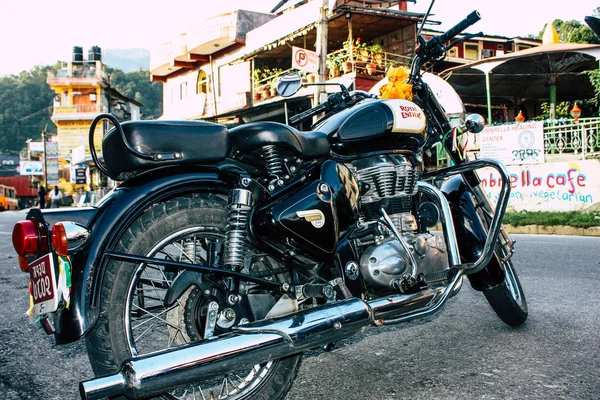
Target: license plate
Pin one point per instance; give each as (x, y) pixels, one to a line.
(43, 285)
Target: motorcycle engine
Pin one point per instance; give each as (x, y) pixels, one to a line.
(390, 182)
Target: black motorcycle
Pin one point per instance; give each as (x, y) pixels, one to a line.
(224, 254)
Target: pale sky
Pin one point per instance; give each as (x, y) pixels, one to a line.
(40, 32)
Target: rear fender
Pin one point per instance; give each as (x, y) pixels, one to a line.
(471, 233)
(112, 217)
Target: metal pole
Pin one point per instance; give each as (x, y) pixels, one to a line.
(552, 98)
(45, 163)
(212, 78)
(583, 139)
(489, 96)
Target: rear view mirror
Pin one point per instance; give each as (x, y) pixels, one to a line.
(289, 84)
(475, 123)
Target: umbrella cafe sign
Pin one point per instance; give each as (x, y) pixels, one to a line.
(557, 186)
(513, 144)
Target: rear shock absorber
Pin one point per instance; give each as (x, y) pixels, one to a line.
(240, 202)
(273, 162)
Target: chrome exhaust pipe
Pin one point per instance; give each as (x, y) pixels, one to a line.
(249, 345)
(260, 342)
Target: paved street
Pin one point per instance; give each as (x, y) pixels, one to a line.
(465, 353)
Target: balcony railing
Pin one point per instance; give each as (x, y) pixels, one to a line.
(567, 136)
(79, 108)
(374, 63)
(361, 62)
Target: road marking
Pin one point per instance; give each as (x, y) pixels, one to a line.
(5, 233)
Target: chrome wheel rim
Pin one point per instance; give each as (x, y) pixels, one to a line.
(150, 326)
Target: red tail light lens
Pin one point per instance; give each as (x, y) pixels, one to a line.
(59, 239)
(24, 263)
(26, 238)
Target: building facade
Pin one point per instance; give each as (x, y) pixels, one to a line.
(226, 70)
(83, 91)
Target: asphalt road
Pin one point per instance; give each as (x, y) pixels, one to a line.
(464, 353)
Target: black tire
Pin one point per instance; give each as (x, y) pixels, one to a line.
(110, 342)
(507, 299)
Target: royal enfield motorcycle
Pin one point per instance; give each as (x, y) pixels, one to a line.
(224, 254)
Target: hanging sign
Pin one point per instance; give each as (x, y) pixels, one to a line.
(514, 144)
(304, 60)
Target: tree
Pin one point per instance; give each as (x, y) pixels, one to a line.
(137, 86)
(573, 31)
(25, 108)
(583, 34)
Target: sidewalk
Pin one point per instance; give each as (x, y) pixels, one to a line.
(553, 230)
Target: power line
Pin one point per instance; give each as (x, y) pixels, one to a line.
(35, 113)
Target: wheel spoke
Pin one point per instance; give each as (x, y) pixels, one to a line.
(149, 317)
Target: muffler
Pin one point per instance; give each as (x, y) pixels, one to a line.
(250, 345)
(257, 343)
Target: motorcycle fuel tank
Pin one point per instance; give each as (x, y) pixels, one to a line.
(373, 125)
(313, 217)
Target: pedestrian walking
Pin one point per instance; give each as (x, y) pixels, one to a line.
(42, 196)
(56, 197)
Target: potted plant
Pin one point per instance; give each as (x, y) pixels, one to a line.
(371, 68)
(333, 62)
(273, 83)
(347, 66)
(376, 50)
(258, 75)
(356, 50)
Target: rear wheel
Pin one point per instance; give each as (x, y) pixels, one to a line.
(134, 320)
(507, 299)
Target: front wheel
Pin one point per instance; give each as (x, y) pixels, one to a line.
(134, 319)
(507, 299)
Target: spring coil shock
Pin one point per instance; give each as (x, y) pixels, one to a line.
(273, 161)
(240, 201)
(189, 249)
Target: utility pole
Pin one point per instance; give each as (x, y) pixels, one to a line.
(45, 163)
(321, 46)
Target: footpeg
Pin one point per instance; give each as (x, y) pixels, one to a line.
(438, 278)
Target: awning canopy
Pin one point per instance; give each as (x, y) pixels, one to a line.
(367, 23)
(528, 75)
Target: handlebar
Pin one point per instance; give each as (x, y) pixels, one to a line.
(461, 26)
(309, 113)
(434, 48)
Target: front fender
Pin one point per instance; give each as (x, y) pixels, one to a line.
(471, 233)
(114, 214)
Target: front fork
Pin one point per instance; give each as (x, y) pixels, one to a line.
(482, 241)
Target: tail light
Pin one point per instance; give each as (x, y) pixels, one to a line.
(59, 239)
(69, 237)
(26, 241)
(26, 238)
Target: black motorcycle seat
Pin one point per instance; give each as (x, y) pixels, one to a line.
(306, 145)
(195, 141)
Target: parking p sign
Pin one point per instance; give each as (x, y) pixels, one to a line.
(304, 60)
